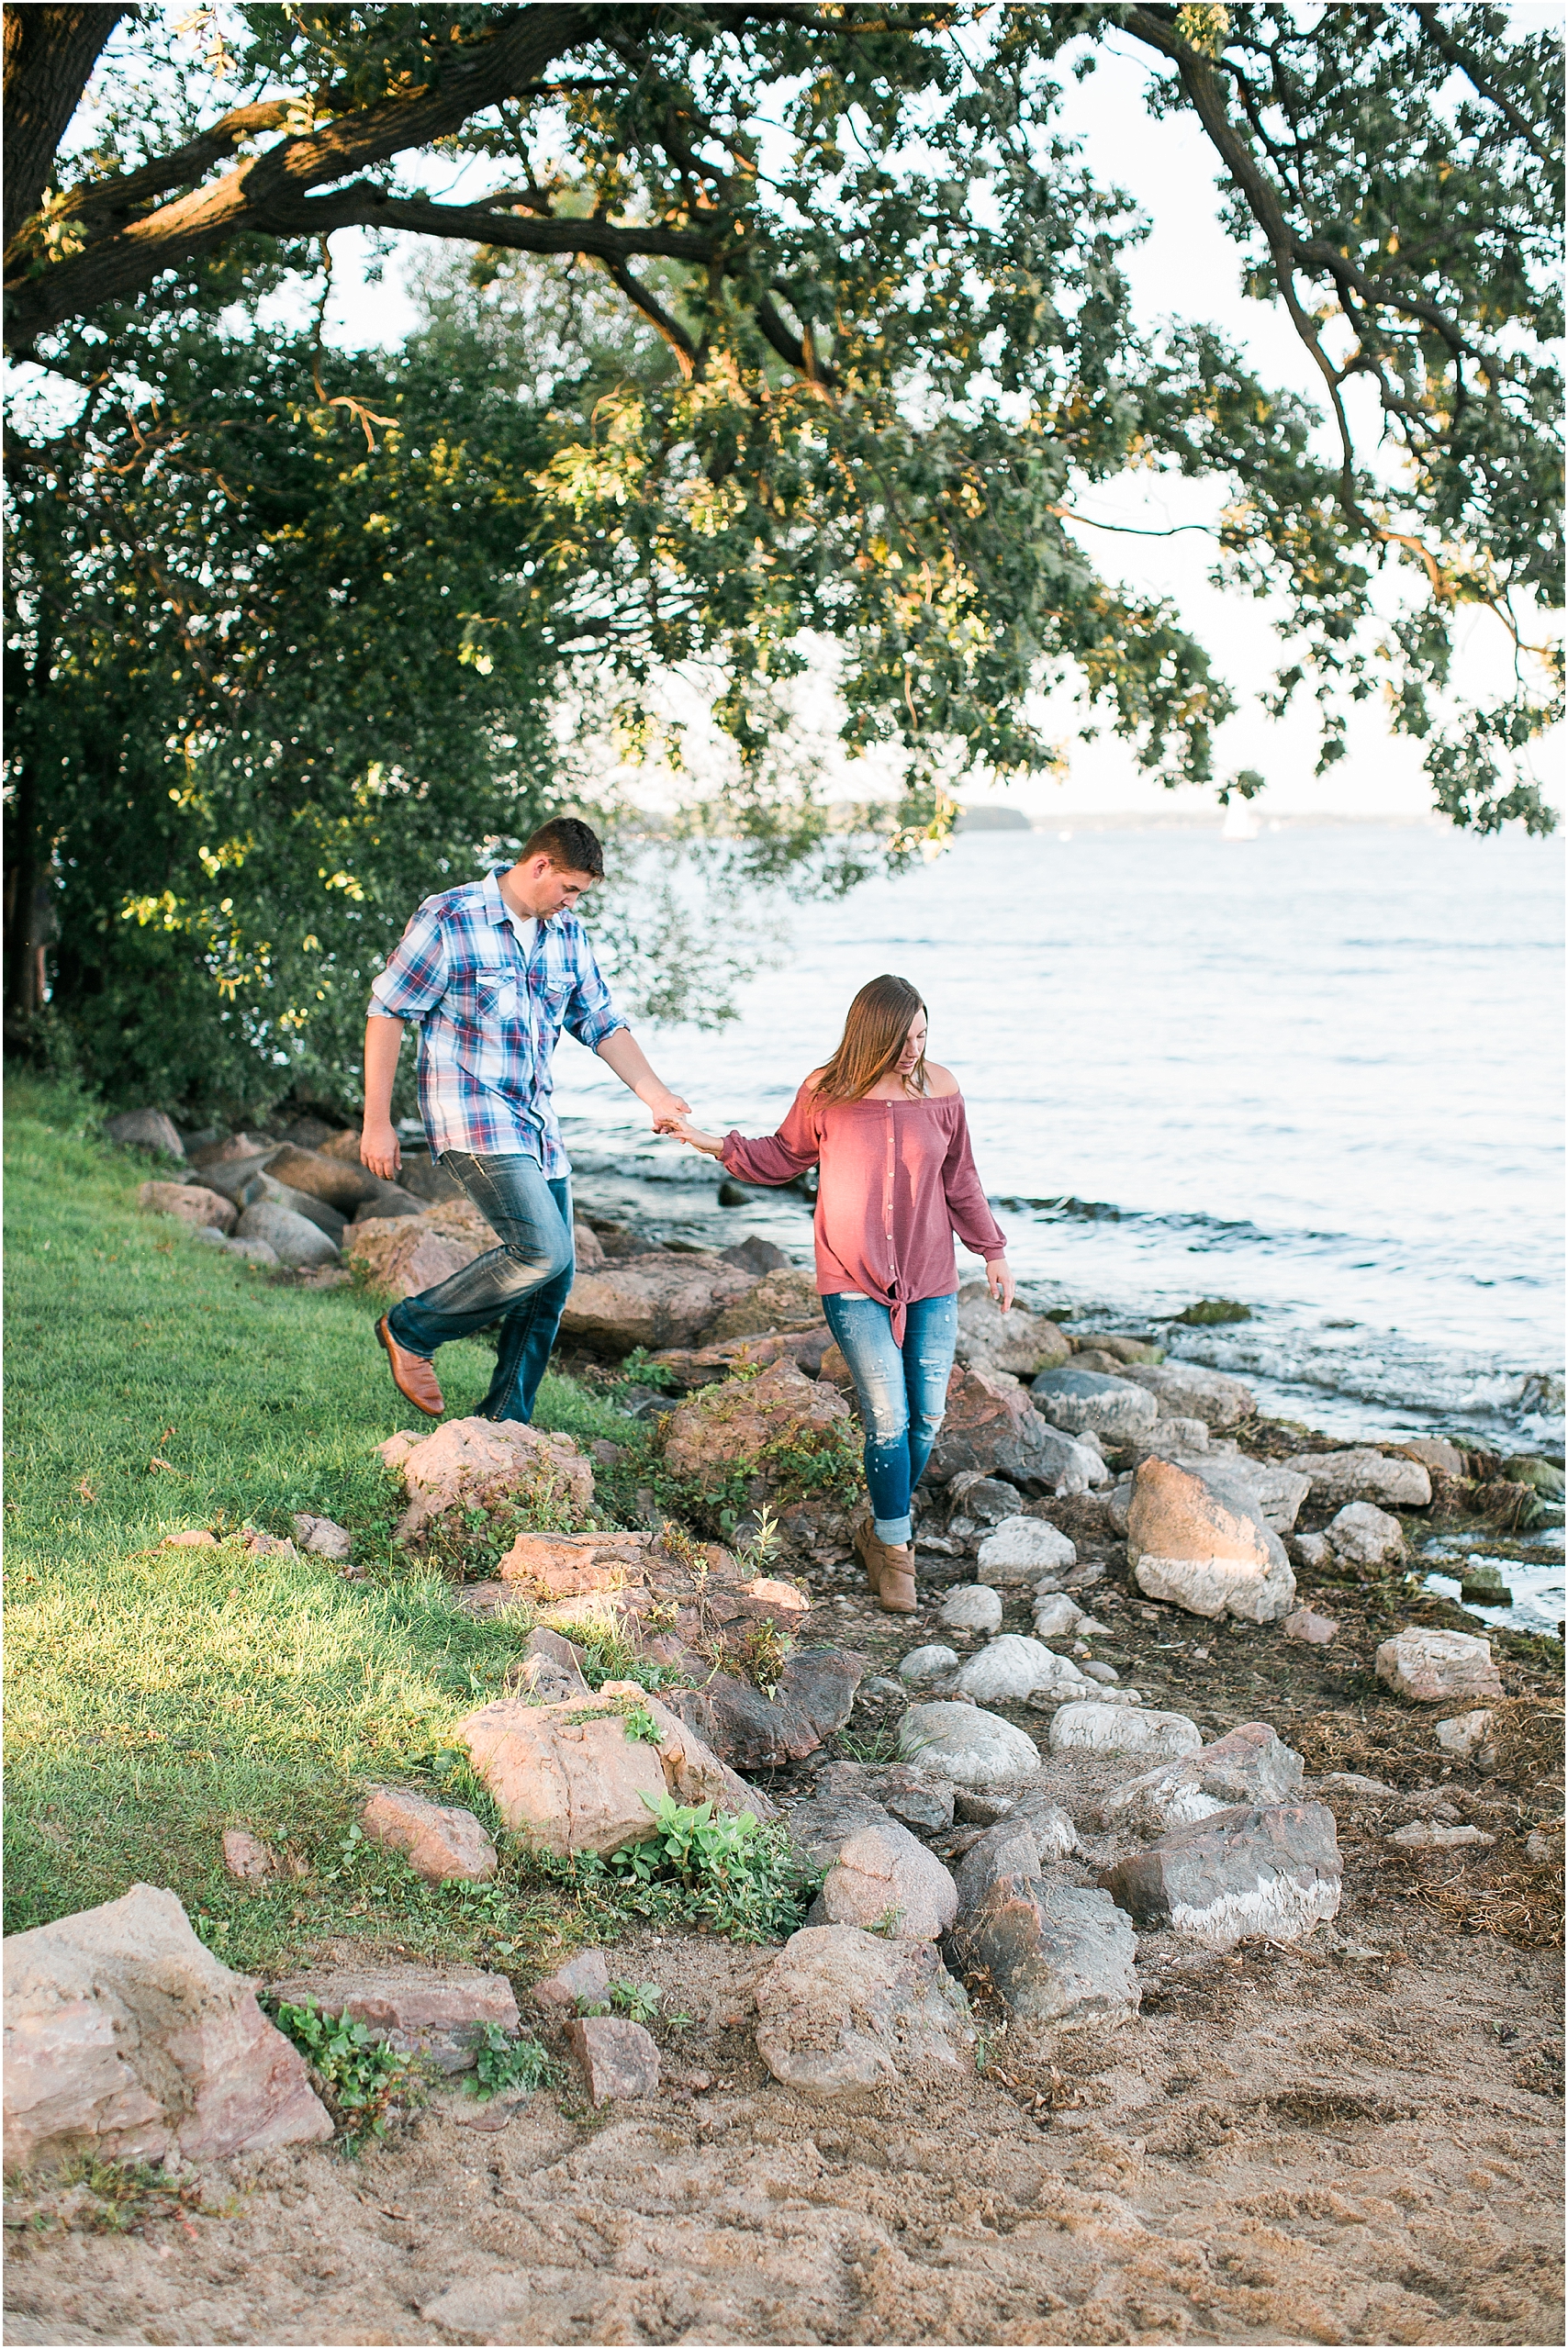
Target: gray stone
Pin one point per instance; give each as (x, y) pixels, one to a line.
(928, 1663)
(1019, 1341)
(885, 1881)
(1095, 1727)
(1208, 1549)
(1077, 1399)
(1033, 1835)
(992, 1427)
(1277, 1494)
(842, 2011)
(821, 1825)
(1064, 1464)
(439, 2015)
(1192, 1391)
(254, 1251)
(923, 1802)
(1363, 1475)
(1021, 1550)
(620, 2059)
(549, 1670)
(1435, 1451)
(1439, 1667)
(1249, 1764)
(984, 1500)
(1271, 1870)
(1009, 1669)
(1056, 1615)
(124, 2037)
(1305, 1624)
(322, 1537)
(1469, 1734)
(1106, 1674)
(145, 1129)
(973, 1607)
(971, 1747)
(305, 1204)
(294, 1238)
(1061, 1955)
(1364, 1534)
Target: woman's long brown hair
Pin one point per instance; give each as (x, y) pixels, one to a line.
(873, 1034)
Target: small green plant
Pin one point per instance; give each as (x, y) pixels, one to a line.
(874, 1746)
(730, 1873)
(503, 2063)
(639, 2001)
(91, 2195)
(361, 2078)
(640, 1370)
(888, 1923)
(755, 1556)
(607, 1655)
(639, 1725)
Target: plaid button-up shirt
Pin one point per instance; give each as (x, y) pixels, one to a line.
(489, 1011)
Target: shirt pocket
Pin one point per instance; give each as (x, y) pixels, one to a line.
(485, 998)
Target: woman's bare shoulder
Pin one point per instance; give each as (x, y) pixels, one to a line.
(942, 1082)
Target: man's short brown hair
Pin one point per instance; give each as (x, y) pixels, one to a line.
(571, 846)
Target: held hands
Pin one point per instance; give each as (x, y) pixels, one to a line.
(684, 1131)
(380, 1150)
(666, 1109)
(999, 1281)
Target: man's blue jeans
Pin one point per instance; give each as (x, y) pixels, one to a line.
(903, 1391)
(523, 1284)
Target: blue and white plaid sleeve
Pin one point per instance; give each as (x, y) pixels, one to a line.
(417, 970)
(590, 1013)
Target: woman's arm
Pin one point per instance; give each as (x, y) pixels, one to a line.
(769, 1158)
(968, 1212)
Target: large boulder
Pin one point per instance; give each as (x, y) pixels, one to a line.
(1273, 1870)
(885, 1881)
(145, 1129)
(126, 2037)
(1019, 1341)
(1440, 1668)
(841, 2010)
(401, 1254)
(1061, 1955)
(1248, 1764)
(1275, 1492)
(784, 1299)
(440, 2014)
(993, 1428)
(294, 1240)
(1365, 1475)
(191, 1201)
(571, 1777)
(1192, 1391)
(652, 1300)
(340, 1182)
(726, 1427)
(741, 1724)
(968, 1745)
(1210, 1552)
(300, 1203)
(1087, 1402)
(477, 1461)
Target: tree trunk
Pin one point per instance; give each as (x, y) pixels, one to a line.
(27, 899)
(50, 53)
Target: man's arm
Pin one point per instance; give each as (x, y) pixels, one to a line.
(629, 1062)
(379, 1149)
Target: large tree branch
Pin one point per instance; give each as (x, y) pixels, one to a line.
(50, 53)
(1469, 65)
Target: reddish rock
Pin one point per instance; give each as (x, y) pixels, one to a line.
(194, 1539)
(700, 1366)
(192, 1203)
(440, 1841)
(781, 1300)
(245, 1857)
(474, 1461)
(651, 1300)
(342, 1183)
(587, 1247)
(1439, 1667)
(420, 2010)
(126, 2037)
(556, 1566)
(620, 2059)
(992, 1427)
(728, 1426)
(584, 1978)
(1303, 1624)
(1207, 1548)
(885, 1881)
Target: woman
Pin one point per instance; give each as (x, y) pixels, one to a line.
(897, 1179)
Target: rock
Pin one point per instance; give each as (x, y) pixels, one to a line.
(441, 1843)
(1542, 1476)
(1362, 1535)
(1190, 1391)
(753, 1254)
(1435, 1451)
(784, 1299)
(245, 1857)
(815, 1697)
(584, 1978)
(549, 1670)
(1095, 1727)
(322, 1537)
(193, 1538)
(1423, 1835)
(1169, 1439)
(689, 1367)
(885, 1881)
(254, 1251)
(1019, 1341)
(339, 1183)
(1276, 1493)
(651, 1300)
(1249, 1764)
(475, 1462)
(192, 1203)
(918, 1801)
(841, 2010)
(145, 1129)
(835, 1370)
(973, 1607)
(568, 1778)
(294, 1239)
(1303, 1624)
(1363, 1475)
(551, 1566)
(991, 1428)
(1022, 1550)
(235, 1149)
(1273, 1871)
(1468, 1734)
(620, 2060)
(125, 2038)
(820, 1825)
(1439, 1667)
(1077, 1401)
(923, 1664)
(1312, 1551)
(983, 1500)
(1061, 1955)
(439, 2015)
(1033, 1834)
(971, 1747)
(1106, 1674)
(1212, 1555)
(271, 1193)
(1010, 1669)
(400, 1256)
(727, 1425)
(1056, 1615)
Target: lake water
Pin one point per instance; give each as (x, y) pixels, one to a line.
(1317, 1071)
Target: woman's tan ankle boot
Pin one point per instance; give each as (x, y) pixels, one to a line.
(895, 1581)
(868, 1550)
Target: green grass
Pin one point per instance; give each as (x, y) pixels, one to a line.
(157, 1696)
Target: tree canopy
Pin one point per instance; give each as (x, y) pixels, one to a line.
(862, 339)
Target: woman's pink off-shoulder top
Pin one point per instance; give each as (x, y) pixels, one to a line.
(898, 1179)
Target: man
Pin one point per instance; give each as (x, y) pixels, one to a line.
(492, 972)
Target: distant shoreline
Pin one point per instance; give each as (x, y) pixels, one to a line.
(1009, 823)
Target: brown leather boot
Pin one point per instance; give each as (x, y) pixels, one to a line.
(413, 1375)
(895, 1584)
(868, 1550)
